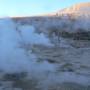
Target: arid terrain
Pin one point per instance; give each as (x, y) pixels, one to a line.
(49, 52)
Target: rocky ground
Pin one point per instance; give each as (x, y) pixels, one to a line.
(42, 61)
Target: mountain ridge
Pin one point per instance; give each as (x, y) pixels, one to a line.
(79, 8)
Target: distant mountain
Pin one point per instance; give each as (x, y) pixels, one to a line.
(80, 8)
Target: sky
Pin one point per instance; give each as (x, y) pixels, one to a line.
(33, 7)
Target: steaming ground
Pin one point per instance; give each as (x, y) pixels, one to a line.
(29, 61)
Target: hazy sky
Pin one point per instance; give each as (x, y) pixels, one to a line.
(33, 7)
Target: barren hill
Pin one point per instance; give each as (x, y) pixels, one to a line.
(77, 9)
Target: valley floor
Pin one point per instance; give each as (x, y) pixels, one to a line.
(29, 61)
